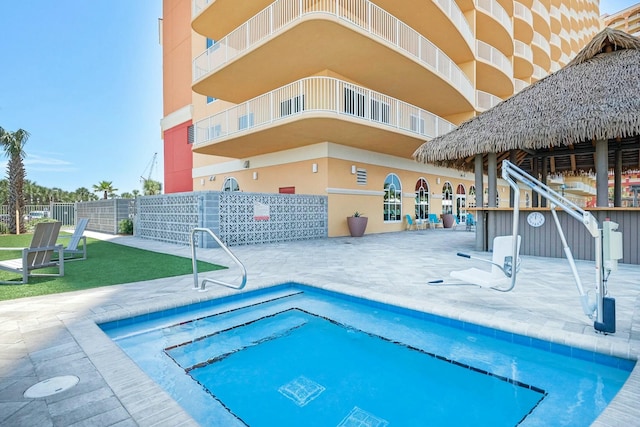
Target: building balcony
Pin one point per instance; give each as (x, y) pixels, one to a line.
(491, 59)
(216, 18)
(522, 60)
(485, 101)
(522, 23)
(518, 85)
(440, 21)
(314, 110)
(541, 50)
(494, 26)
(555, 20)
(284, 43)
(541, 19)
(538, 72)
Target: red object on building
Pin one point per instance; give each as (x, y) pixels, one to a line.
(178, 159)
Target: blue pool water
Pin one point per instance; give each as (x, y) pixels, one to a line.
(294, 355)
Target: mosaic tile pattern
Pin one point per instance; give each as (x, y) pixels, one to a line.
(360, 418)
(301, 390)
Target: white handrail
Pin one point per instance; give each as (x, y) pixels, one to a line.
(195, 262)
(321, 94)
(362, 14)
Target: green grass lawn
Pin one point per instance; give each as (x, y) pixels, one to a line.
(106, 264)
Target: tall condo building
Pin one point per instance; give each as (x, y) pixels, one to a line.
(332, 97)
(627, 20)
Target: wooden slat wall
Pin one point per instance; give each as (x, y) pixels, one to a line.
(544, 241)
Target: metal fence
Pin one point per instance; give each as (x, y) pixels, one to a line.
(63, 212)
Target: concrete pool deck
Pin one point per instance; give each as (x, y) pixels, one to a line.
(55, 335)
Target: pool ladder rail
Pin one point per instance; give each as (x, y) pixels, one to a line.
(194, 260)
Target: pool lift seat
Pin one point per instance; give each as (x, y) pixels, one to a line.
(501, 265)
(607, 244)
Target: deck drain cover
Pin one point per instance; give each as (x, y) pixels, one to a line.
(51, 386)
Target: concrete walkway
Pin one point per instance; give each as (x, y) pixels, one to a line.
(44, 337)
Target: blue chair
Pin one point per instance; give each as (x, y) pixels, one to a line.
(434, 222)
(415, 224)
(471, 222)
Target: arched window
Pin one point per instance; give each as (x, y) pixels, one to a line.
(230, 184)
(422, 199)
(392, 210)
(461, 203)
(447, 198)
(471, 198)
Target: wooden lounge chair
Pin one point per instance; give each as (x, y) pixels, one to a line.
(38, 254)
(71, 251)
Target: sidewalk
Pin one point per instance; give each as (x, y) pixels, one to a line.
(46, 336)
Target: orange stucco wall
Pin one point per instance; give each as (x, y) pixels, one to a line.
(176, 54)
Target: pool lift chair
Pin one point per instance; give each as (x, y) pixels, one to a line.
(501, 265)
(607, 244)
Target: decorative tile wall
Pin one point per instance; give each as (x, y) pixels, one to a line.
(237, 218)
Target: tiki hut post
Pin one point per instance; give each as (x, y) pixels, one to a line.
(617, 179)
(543, 178)
(492, 176)
(535, 197)
(479, 172)
(513, 159)
(602, 173)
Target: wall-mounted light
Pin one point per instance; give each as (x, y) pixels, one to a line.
(353, 169)
(255, 175)
(212, 178)
(314, 168)
(437, 180)
(201, 181)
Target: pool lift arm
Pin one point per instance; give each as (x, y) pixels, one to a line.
(603, 308)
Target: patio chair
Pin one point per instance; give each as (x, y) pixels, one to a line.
(470, 222)
(71, 251)
(434, 222)
(38, 254)
(415, 224)
(501, 265)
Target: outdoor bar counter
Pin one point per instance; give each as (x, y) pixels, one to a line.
(545, 241)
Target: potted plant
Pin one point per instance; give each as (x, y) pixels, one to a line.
(357, 224)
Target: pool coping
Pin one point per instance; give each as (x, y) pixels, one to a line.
(132, 386)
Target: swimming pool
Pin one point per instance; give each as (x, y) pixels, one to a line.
(297, 355)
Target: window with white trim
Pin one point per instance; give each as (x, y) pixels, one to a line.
(392, 210)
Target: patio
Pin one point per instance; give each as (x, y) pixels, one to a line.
(43, 337)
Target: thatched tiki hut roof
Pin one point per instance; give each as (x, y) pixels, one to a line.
(594, 97)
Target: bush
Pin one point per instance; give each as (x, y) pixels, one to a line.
(125, 226)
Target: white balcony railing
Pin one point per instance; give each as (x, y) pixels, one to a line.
(522, 50)
(523, 12)
(320, 94)
(539, 8)
(452, 10)
(362, 14)
(485, 100)
(541, 41)
(493, 56)
(538, 72)
(493, 8)
(518, 85)
(198, 6)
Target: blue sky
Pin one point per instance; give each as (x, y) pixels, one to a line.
(84, 77)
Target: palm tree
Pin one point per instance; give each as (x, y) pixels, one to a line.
(151, 187)
(13, 144)
(106, 187)
(83, 194)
